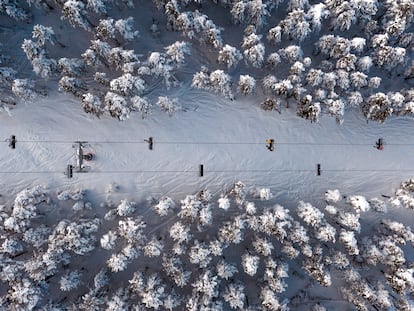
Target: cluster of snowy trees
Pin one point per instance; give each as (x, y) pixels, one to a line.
(236, 251)
(343, 72)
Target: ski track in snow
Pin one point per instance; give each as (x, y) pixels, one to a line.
(172, 169)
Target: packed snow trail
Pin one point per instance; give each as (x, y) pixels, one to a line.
(347, 153)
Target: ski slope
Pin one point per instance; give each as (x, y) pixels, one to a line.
(227, 137)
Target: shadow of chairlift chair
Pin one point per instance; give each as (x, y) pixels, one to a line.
(270, 144)
(379, 144)
(12, 142)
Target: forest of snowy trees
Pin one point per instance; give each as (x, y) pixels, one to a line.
(318, 57)
(240, 250)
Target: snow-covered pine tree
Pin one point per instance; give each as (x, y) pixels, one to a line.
(246, 84)
(14, 10)
(24, 88)
(221, 83)
(274, 35)
(43, 34)
(273, 60)
(72, 85)
(176, 52)
(141, 105)
(44, 66)
(125, 28)
(117, 106)
(70, 281)
(291, 53)
(92, 104)
(127, 85)
(97, 6)
(72, 67)
(250, 263)
(167, 105)
(229, 55)
(234, 295)
(254, 50)
(74, 11)
(377, 107)
(105, 29)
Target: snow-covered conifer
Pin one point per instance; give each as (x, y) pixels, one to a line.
(359, 203)
(263, 246)
(310, 215)
(74, 11)
(118, 301)
(377, 107)
(97, 6)
(314, 77)
(154, 247)
(44, 66)
(316, 14)
(176, 52)
(207, 284)
(92, 104)
(201, 79)
(106, 29)
(128, 85)
(72, 67)
(164, 206)
(238, 11)
(374, 82)
(43, 34)
(349, 220)
(24, 88)
(173, 266)
(229, 55)
(292, 53)
(180, 232)
(200, 254)
(250, 263)
(346, 62)
(122, 59)
(167, 105)
(125, 28)
(12, 9)
(117, 262)
(70, 281)
(224, 203)
(117, 106)
(24, 294)
(142, 105)
(332, 196)
(344, 18)
(131, 230)
(234, 295)
(246, 84)
(269, 299)
(221, 83)
(72, 85)
(32, 49)
(255, 55)
(126, 208)
(274, 35)
(101, 279)
(225, 270)
(349, 241)
(326, 233)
